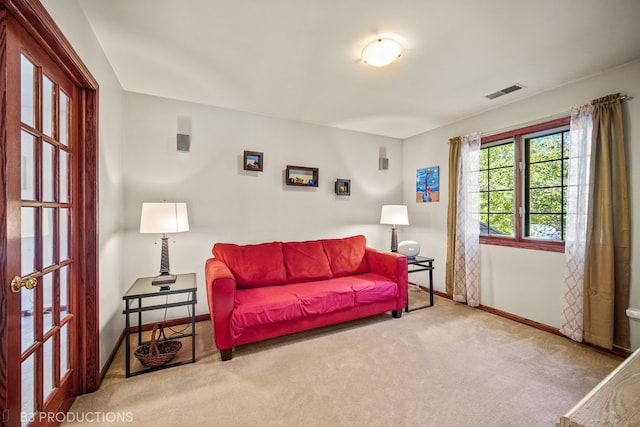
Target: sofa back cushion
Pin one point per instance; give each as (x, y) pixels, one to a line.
(346, 256)
(305, 261)
(253, 265)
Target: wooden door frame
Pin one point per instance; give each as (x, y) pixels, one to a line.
(32, 15)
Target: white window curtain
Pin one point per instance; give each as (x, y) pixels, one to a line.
(572, 324)
(466, 274)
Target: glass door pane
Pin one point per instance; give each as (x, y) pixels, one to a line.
(48, 106)
(28, 166)
(27, 92)
(48, 172)
(28, 390)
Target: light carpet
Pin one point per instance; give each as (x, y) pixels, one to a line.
(448, 365)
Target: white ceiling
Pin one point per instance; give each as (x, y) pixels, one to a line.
(299, 59)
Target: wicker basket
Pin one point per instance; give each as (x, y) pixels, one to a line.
(159, 350)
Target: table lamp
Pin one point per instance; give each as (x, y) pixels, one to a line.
(163, 218)
(394, 215)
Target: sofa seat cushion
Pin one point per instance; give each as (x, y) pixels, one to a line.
(305, 261)
(253, 265)
(262, 306)
(371, 287)
(346, 256)
(324, 296)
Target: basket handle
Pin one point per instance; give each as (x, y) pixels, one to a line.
(153, 347)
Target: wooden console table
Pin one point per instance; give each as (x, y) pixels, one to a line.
(613, 402)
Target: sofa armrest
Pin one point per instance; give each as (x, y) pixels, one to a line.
(393, 266)
(221, 291)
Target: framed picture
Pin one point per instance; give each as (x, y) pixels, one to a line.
(253, 161)
(301, 176)
(343, 187)
(428, 185)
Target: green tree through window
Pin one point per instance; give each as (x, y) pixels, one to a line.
(497, 189)
(523, 186)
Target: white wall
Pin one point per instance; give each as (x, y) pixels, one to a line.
(75, 27)
(139, 162)
(228, 204)
(524, 282)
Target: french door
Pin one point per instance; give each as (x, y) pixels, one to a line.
(43, 324)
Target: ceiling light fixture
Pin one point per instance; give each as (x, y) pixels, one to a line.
(381, 52)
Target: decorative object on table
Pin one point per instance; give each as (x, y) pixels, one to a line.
(394, 215)
(301, 176)
(343, 187)
(164, 218)
(428, 185)
(253, 161)
(410, 248)
(159, 351)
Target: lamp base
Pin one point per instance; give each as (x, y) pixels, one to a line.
(164, 280)
(394, 238)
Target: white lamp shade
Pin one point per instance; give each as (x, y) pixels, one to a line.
(164, 218)
(381, 52)
(394, 215)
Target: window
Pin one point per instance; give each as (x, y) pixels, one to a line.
(523, 176)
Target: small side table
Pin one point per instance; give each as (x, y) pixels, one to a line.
(143, 289)
(421, 263)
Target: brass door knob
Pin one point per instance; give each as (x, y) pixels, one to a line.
(17, 284)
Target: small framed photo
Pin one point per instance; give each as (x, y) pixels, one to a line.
(343, 187)
(253, 161)
(302, 176)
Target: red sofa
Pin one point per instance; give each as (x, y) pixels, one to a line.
(267, 290)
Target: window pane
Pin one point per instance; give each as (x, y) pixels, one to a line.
(28, 407)
(64, 176)
(484, 202)
(28, 240)
(64, 291)
(49, 372)
(546, 174)
(547, 226)
(501, 155)
(48, 169)
(65, 342)
(27, 307)
(64, 234)
(484, 158)
(484, 180)
(27, 94)
(46, 282)
(28, 166)
(501, 179)
(545, 148)
(48, 240)
(64, 119)
(545, 200)
(48, 108)
(500, 224)
(501, 202)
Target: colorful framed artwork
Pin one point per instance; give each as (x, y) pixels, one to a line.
(428, 185)
(253, 161)
(343, 187)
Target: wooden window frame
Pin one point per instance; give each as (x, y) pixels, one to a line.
(518, 240)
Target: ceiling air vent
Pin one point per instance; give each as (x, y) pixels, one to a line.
(505, 91)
